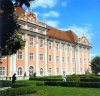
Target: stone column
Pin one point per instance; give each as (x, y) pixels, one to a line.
(46, 57)
(37, 57)
(61, 58)
(55, 72)
(66, 61)
(26, 55)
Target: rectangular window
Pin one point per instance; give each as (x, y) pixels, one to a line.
(20, 56)
(57, 46)
(41, 43)
(63, 59)
(31, 56)
(50, 58)
(2, 70)
(31, 41)
(41, 31)
(49, 45)
(68, 60)
(50, 71)
(41, 57)
(57, 71)
(63, 47)
(57, 58)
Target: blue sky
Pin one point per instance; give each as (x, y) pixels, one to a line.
(81, 16)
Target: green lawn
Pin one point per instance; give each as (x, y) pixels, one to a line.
(65, 91)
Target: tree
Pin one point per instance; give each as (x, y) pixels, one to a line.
(95, 64)
(21, 2)
(10, 40)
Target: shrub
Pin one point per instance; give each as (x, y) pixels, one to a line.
(18, 91)
(6, 83)
(90, 79)
(74, 84)
(16, 85)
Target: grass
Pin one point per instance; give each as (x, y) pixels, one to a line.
(62, 91)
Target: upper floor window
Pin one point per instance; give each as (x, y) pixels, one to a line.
(2, 70)
(41, 31)
(20, 55)
(68, 60)
(31, 41)
(49, 45)
(31, 56)
(41, 43)
(63, 47)
(50, 57)
(57, 58)
(19, 71)
(41, 57)
(57, 46)
(63, 59)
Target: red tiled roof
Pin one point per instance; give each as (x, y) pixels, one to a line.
(69, 35)
(62, 35)
(19, 10)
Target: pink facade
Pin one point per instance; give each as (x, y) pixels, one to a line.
(48, 51)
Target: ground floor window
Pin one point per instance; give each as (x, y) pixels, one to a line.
(41, 71)
(50, 71)
(19, 71)
(2, 70)
(31, 70)
(57, 71)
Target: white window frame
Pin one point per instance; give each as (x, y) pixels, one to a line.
(31, 41)
(57, 46)
(50, 58)
(41, 43)
(63, 47)
(20, 71)
(20, 55)
(41, 57)
(41, 71)
(50, 70)
(57, 58)
(31, 56)
(63, 59)
(58, 71)
(50, 45)
(2, 71)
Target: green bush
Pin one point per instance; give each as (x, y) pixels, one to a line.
(74, 84)
(6, 83)
(45, 79)
(16, 85)
(90, 79)
(18, 91)
(40, 83)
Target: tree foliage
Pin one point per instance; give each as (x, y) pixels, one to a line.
(95, 64)
(10, 30)
(21, 2)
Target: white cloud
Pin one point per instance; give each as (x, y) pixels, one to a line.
(51, 14)
(52, 23)
(87, 31)
(64, 4)
(44, 3)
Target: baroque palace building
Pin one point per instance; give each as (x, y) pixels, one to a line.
(48, 51)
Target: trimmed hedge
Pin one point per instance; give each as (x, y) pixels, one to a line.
(90, 79)
(18, 91)
(74, 84)
(16, 85)
(6, 83)
(45, 79)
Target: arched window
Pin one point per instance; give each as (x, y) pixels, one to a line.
(41, 71)
(19, 71)
(31, 70)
